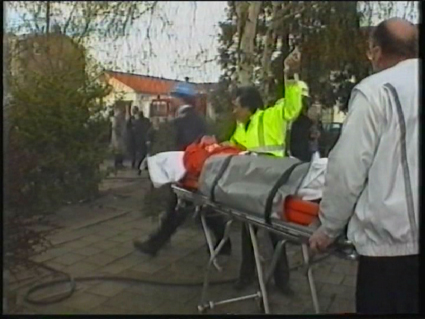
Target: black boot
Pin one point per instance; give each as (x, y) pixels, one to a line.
(281, 273)
(152, 245)
(170, 221)
(247, 268)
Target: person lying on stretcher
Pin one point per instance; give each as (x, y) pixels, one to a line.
(264, 131)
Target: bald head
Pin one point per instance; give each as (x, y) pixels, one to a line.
(397, 38)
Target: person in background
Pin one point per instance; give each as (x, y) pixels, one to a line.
(302, 133)
(372, 177)
(314, 140)
(118, 137)
(189, 127)
(263, 131)
(141, 126)
(131, 120)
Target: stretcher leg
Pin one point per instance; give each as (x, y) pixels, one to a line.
(210, 242)
(259, 270)
(203, 306)
(276, 254)
(310, 277)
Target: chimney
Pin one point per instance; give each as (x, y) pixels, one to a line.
(186, 79)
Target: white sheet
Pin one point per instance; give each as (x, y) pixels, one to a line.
(165, 168)
(312, 186)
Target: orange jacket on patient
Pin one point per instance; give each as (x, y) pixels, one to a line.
(195, 156)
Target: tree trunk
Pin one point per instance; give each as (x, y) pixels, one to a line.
(47, 16)
(268, 50)
(246, 62)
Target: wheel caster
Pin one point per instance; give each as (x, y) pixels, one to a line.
(202, 309)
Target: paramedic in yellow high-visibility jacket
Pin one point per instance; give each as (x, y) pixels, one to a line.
(264, 130)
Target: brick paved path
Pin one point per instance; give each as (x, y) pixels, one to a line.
(93, 242)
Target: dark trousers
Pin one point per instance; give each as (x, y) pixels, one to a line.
(118, 160)
(173, 218)
(388, 285)
(247, 269)
(139, 157)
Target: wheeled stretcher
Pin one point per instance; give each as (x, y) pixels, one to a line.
(289, 232)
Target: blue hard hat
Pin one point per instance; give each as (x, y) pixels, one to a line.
(183, 90)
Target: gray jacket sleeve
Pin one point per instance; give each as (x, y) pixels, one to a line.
(349, 164)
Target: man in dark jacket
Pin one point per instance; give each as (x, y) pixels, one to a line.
(303, 133)
(189, 127)
(141, 126)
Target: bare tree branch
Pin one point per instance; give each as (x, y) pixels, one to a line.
(71, 15)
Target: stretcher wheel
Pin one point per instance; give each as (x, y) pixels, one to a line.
(203, 309)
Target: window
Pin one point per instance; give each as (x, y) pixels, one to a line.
(159, 108)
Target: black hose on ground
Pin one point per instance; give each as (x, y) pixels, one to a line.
(73, 283)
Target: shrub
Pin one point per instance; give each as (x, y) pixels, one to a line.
(55, 142)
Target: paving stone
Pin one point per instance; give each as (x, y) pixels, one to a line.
(81, 268)
(107, 310)
(175, 308)
(104, 244)
(56, 309)
(83, 231)
(331, 278)
(43, 257)
(346, 268)
(337, 290)
(55, 265)
(350, 281)
(122, 238)
(108, 288)
(134, 259)
(64, 237)
(108, 232)
(84, 301)
(135, 303)
(92, 239)
(101, 259)
(169, 293)
(148, 268)
(73, 245)
(69, 259)
(341, 306)
(51, 254)
(124, 227)
(88, 251)
(324, 304)
(120, 251)
(115, 268)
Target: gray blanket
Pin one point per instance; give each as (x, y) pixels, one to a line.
(254, 184)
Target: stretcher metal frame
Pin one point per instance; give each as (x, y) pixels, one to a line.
(289, 232)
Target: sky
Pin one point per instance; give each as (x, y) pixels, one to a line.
(176, 48)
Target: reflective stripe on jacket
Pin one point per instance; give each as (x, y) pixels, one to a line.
(266, 132)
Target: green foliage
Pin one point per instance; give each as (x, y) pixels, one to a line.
(56, 142)
(330, 40)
